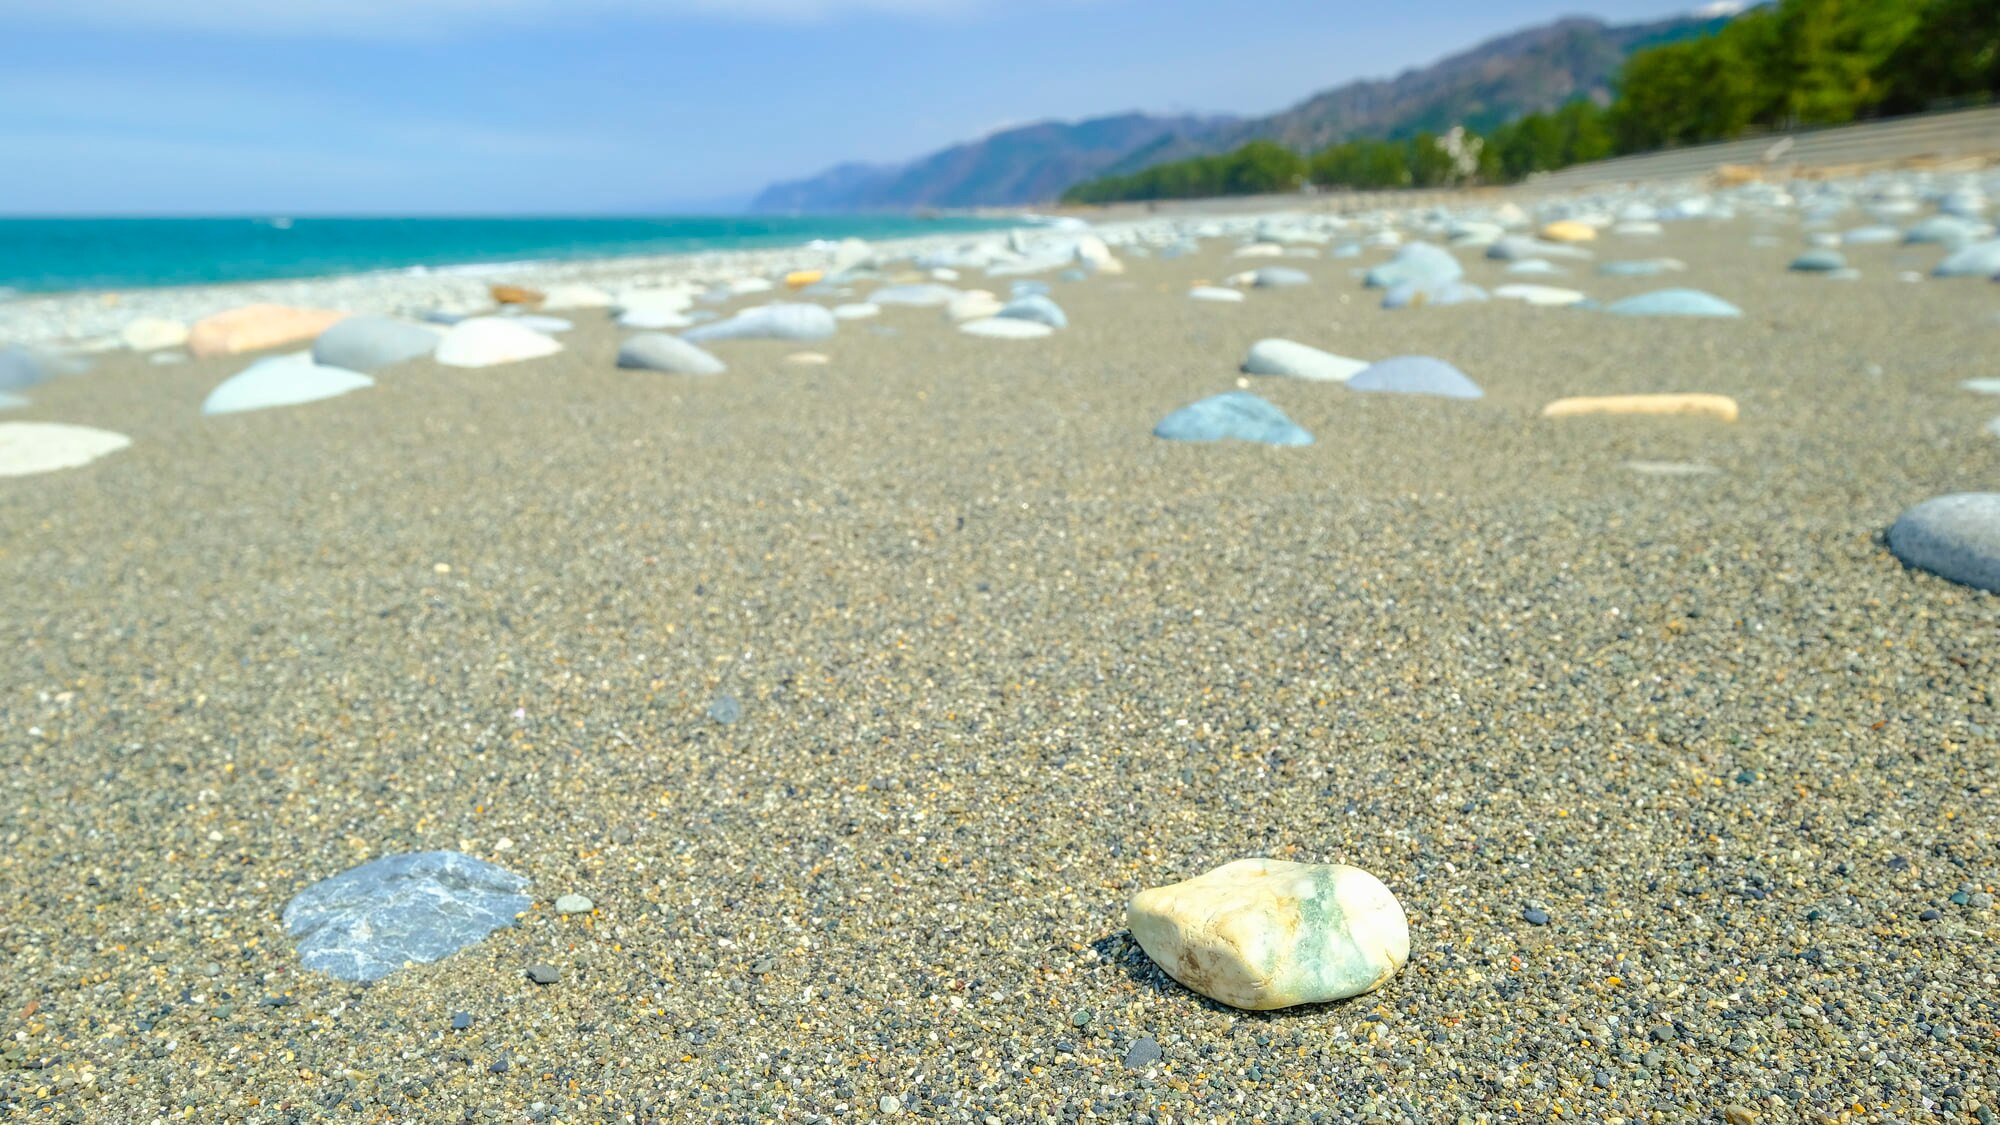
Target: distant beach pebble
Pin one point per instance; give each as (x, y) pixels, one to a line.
(27, 448)
(488, 341)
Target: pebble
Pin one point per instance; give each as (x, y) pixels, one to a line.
(802, 323)
(1418, 264)
(1547, 295)
(28, 448)
(1006, 328)
(1037, 308)
(1720, 407)
(1279, 277)
(1979, 259)
(574, 904)
(489, 341)
(1955, 537)
(288, 380)
(1415, 375)
(1535, 916)
(1821, 260)
(890, 1105)
(725, 710)
(1215, 293)
(461, 1021)
(368, 921)
(657, 351)
(152, 333)
(1261, 934)
(543, 974)
(1674, 302)
(1232, 416)
(370, 343)
(252, 328)
(1299, 361)
(1143, 1052)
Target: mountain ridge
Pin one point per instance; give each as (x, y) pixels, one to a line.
(1525, 71)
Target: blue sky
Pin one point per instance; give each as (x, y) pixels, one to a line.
(547, 106)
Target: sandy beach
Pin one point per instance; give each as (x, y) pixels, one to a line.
(1001, 659)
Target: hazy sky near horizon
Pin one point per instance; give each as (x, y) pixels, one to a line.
(558, 106)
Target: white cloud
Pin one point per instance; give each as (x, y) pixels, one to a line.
(379, 19)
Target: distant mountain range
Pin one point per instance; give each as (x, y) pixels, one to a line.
(1498, 80)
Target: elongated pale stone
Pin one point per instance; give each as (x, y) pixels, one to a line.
(1713, 406)
(1264, 933)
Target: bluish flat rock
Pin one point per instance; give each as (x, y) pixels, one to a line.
(1639, 267)
(1415, 375)
(1955, 537)
(1872, 236)
(1036, 308)
(770, 322)
(657, 351)
(1943, 230)
(1279, 277)
(1022, 289)
(1235, 416)
(369, 343)
(1819, 260)
(1978, 259)
(914, 296)
(1417, 263)
(1413, 294)
(1533, 267)
(1674, 302)
(368, 921)
(21, 368)
(286, 380)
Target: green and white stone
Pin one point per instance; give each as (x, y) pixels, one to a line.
(1264, 933)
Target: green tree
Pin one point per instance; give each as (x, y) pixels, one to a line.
(1953, 54)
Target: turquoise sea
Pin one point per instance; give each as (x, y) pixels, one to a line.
(58, 255)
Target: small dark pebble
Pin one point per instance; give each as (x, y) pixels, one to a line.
(544, 974)
(1535, 917)
(1929, 916)
(1960, 898)
(1142, 1054)
(499, 1066)
(461, 1020)
(281, 1001)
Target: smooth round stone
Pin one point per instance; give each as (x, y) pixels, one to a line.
(1279, 277)
(1020, 289)
(1569, 230)
(1416, 295)
(574, 904)
(1345, 250)
(1986, 385)
(1261, 934)
(1215, 293)
(1871, 236)
(152, 333)
(1415, 375)
(1674, 302)
(1419, 263)
(253, 328)
(1514, 248)
(1955, 537)
(575, 295)
(1235, 416)
(1299, 361)
(27, 448)
(801, 323)
(288, 380)
(1980, 259)
(1640, 267)
(914, 296)
(1944, 230)
(370, 343)
(1720, 407)
(808, 359)
(973, 304)
(1533, 267)
(858, 310)
(657, 351)
(1822, 260)
(1259, 250)
(368, 921)
(1036, 308)
(1005, 328)
(1549, 295)
(488, 341)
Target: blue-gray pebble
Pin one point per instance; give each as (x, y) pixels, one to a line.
(367, 921)
(1955, 537)
(1415, 375)
(1237, 416)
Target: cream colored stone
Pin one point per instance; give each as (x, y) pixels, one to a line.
(1265, 933)
(151, 333)
(1569, 230)
(1720, 407)
(253, 328)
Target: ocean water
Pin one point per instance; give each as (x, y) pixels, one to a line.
(60, 255)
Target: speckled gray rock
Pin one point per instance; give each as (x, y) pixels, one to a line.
(369, 343)
(770, 322)
(657, 351)
(1955, 537)
(368, 921)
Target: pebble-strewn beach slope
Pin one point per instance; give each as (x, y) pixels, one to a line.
(998, 659)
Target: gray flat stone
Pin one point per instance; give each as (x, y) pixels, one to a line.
(1955, 537)
(368, 921)
(657, 351)
(369, 343)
